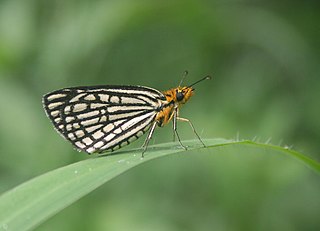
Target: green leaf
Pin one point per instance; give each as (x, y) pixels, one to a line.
(29, 204)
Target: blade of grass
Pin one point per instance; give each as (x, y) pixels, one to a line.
(29, 204)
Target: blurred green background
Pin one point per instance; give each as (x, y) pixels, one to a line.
(264, 57)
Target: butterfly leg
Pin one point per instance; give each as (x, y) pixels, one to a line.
(193, 129)
(175, 132)
(147, 140)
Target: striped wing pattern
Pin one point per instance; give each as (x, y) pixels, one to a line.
(101, 118)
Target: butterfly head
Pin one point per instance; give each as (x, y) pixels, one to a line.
(183, 94)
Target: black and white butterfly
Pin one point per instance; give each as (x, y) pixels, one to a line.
(101, 118)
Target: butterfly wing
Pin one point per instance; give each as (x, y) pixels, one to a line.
(101, 118)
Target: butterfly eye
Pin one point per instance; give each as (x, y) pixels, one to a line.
(179, 95)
